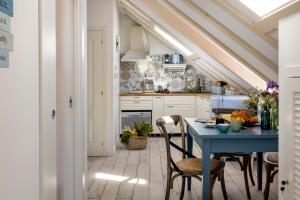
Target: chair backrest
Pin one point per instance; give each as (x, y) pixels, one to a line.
(173, 119)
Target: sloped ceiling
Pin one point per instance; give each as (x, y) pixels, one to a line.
(224, 48)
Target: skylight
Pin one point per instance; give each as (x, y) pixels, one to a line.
(264, 7)
(173, 41)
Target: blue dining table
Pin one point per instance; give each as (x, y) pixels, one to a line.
(210, 140)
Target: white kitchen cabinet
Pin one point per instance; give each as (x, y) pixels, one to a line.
(136, 103)
(157, 111)
(179, 100)
(179, 109)
(136, 98)
(186, 106)
(202, 107)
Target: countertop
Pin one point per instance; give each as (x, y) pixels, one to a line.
(206, 95)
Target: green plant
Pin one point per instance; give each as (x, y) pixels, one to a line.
(141, 129)
(125, 137)
(254, 95)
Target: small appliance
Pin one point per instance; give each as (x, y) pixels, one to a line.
(148, 85)
(177, 58)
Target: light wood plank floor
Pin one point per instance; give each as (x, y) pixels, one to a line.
(141, 175)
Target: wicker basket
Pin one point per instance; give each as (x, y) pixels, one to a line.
(137, 143)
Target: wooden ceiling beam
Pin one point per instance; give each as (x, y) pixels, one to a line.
(246, 21)
(229, 33)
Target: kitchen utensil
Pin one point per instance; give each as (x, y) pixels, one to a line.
(223, 128)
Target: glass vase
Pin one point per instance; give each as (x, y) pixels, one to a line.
(265, 119)
(274, 118)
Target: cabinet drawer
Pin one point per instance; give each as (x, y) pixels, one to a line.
(134, 98)
(179, 100)
(136, 105)
(183, 110)
(202, 101)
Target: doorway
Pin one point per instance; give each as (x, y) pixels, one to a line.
(95, 92)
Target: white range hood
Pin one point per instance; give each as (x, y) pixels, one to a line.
(139, 45)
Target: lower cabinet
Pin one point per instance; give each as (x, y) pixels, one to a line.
(157, 111)
(186, 106)
(202, 107)
(183, 110)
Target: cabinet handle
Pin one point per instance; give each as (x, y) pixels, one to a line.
(170, 106)
(136, 97)
(158, 97)
(136, 102)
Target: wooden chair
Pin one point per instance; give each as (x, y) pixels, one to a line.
(244, 159)
(189, 166)
(271, 164)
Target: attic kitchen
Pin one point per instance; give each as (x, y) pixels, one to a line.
(157, 81)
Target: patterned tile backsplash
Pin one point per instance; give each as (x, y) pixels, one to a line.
(132, 75)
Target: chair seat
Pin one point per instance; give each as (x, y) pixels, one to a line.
(271, 158)
(195, 165)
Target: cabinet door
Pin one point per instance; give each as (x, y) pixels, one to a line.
(183, 110)
(202, 107)
(157, 111)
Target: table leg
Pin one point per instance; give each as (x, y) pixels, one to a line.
(259, 159)
(206, 170)
(190, 150)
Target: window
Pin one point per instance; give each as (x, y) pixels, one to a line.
(265, 7)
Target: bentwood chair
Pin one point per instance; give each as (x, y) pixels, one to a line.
(271, 164)
(243, 158)
(189, 165)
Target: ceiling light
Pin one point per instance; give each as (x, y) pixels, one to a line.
(173, 41)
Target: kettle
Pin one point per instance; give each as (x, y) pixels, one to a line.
(177, 58)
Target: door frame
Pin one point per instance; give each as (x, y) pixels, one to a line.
(80, 94)
(103, 29)
(80, 97)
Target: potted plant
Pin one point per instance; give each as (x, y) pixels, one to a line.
(137, 138)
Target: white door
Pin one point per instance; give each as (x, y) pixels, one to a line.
(289, 108)
(65, 99)
(95, 92)
(289, 143)
(48, 175)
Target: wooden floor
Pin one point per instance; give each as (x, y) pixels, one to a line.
(141, 175)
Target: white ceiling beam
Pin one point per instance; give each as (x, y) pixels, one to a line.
(234, 43)
(238, 28)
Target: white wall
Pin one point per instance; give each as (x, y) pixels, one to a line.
(19, 124)
(116, 72)
(104, 14)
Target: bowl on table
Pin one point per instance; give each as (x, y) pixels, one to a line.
(223, 128)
